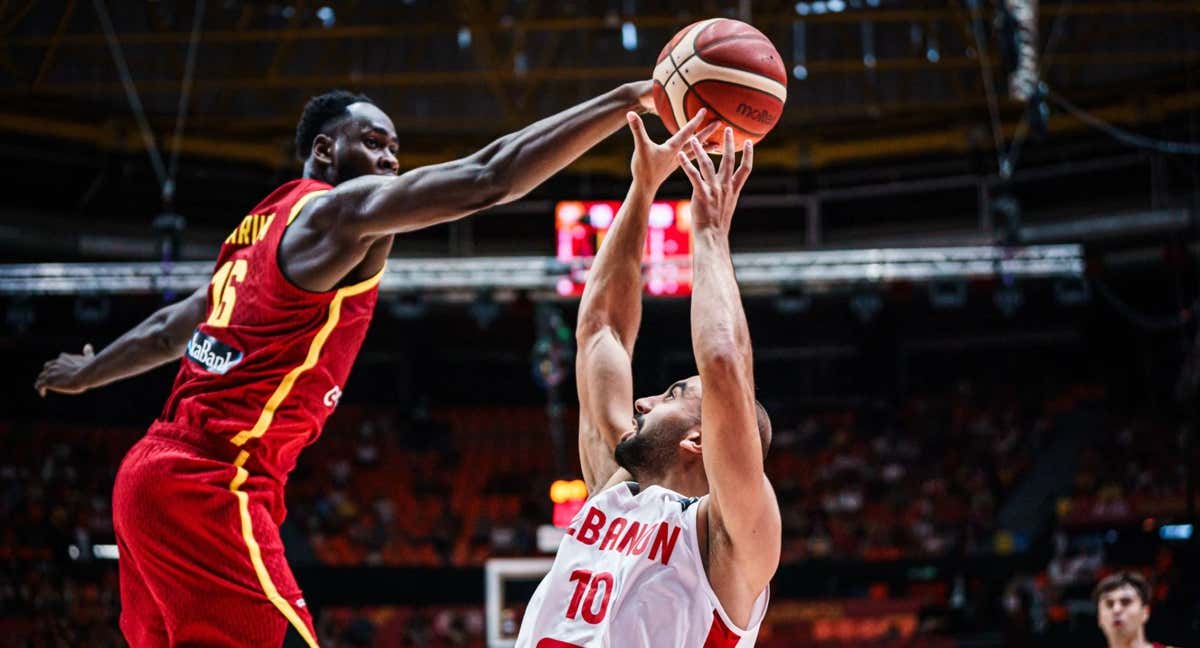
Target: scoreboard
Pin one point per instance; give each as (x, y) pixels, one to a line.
(581, 226)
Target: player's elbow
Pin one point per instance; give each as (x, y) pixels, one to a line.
(587, 327)
(490, 186)
(159, 336)
(725, 363)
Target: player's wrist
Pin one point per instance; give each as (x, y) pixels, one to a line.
(637, 96)
(83, 377)
(647, 180)
(712, 233)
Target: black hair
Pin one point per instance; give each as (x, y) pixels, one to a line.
(1121, 579)
(321, 112)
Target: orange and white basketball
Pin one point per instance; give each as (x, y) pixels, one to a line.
(728, 67)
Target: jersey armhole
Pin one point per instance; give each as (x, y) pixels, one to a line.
(293, 214)
(757, 613)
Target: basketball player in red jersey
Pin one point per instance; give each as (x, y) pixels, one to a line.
(269, 344)
(681, 533)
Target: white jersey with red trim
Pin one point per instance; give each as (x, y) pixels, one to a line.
(628, 574)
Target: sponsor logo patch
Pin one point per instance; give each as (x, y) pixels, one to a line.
(212, 354)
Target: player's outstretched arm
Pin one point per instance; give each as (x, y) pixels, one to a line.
(501, 172)
(610, 311)
(742, 504)
(160, 338)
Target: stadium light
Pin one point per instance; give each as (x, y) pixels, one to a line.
(629, 36)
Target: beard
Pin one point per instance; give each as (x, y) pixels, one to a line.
(647, 452)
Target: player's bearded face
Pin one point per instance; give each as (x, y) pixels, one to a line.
(659, 424)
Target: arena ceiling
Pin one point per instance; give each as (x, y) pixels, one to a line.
(871, 78)
(881, 92)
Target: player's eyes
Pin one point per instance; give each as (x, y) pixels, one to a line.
(371, 143)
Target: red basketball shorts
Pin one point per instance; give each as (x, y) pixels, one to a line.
(201, 560)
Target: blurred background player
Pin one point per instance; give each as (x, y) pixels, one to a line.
(681, 534)
(1123, 608)
(269, 344)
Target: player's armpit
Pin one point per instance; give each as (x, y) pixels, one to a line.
(605, 382)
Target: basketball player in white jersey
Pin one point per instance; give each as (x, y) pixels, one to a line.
(681, 534)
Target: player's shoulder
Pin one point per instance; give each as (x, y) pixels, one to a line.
(293, 190)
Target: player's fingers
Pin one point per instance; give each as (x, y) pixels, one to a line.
(691, 171)
(677, 140)
(87, 350)
(727, 154)
(747, 165)
(707, 131)
(707, 172)
(636, 128)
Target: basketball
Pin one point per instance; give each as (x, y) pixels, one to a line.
(728, 67)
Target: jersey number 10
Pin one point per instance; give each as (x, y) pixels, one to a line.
(589, 583)
(585, 579)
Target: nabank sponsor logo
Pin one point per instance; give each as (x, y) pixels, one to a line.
(212, 354)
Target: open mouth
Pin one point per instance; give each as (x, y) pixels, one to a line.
(637, 427)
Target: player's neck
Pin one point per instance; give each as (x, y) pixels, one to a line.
(315, 172)
(684, 482)
(1137, 641)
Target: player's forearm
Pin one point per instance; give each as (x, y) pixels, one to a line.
(158, 339)
(503, 171)
(720, 336)
(613, 295)
(520, 161)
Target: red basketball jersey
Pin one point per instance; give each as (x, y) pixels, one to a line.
(268, 365)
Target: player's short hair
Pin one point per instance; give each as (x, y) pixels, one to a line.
(320, 113)
(764, 426)
(1119, 580)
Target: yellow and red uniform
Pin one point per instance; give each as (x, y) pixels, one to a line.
(198, 501)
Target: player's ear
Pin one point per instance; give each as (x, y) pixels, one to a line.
(322, 149)
(691, 442)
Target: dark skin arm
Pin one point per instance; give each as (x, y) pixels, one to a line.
(159, 339)
(344, 235)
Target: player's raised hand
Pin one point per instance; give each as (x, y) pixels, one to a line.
(63, 373)
(715, 190)
(653, 162)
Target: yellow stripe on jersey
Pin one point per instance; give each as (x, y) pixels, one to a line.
(260, 568)
(314, 353)
(302, 202)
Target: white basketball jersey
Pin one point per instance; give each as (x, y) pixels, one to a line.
(629, 574)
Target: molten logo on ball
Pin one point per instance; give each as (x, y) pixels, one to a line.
(757, 114)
